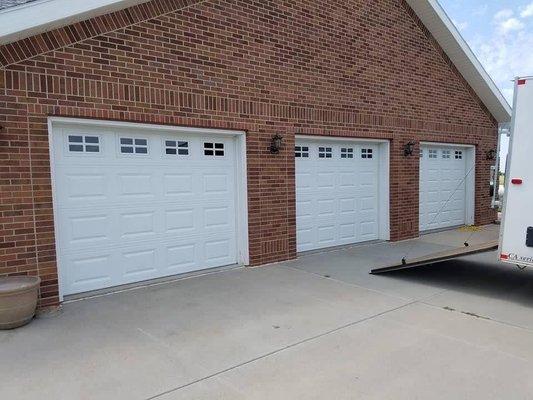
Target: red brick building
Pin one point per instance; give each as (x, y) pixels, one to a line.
(135, 138)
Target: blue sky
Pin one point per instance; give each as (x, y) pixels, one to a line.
(500, 32)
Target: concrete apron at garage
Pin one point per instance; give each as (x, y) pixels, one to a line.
(459, 329)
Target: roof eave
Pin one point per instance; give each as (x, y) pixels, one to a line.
(40, 16)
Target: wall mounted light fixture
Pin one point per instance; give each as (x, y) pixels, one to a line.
(491, 154)
(275, 144)
(408, 149)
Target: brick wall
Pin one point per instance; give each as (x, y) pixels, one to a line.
(349, 68)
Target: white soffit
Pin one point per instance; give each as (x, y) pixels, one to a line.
(36, 17)
(447, 35)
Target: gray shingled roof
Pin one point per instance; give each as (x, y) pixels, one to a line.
(12, 3)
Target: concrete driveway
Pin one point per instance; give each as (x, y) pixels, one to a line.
(460, 329)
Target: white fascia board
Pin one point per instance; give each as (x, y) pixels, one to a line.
(40, 16)
(449, 38)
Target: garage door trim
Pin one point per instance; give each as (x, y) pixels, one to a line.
(383, 175)
(470, 181)
(241, 195)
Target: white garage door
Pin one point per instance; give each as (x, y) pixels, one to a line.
(442, 187)
(133, 205)
(336, 193)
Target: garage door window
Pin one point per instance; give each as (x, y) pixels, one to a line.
(301, 152)
(83, 144)
(177, 147)
(458, 155)
(133, 146)
(367, 153)
(433, 153)
(325, 152)
(446, 154)
(347, 152)
(214, 149)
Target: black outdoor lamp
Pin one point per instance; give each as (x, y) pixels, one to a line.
(408, 149)
(491, 154)
(275, 144)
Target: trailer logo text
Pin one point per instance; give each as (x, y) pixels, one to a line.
(517, 258)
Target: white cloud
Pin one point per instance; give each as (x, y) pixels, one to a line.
(506, 21)
(527, 11)
(510, 24)
(506, 13)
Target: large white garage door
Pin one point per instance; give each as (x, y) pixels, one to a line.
(442, 187)
(133, 205)
(336, 193)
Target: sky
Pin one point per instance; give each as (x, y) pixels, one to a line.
(500, 32)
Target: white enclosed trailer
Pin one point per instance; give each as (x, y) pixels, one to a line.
(516, 235)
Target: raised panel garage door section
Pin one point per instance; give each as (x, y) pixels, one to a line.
(443, 187)
(132, 205)
(337, 193)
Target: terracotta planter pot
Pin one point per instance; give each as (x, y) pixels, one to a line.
(18, 300)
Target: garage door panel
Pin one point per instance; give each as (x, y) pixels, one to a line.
(84, 186)
(180, 258)
(306, 238)
(125, 217)
(219, 252)
(348, 206)
(348, 231)
(216, 183)
(348, 180)
(178, 184)
(368, 204)
(325, 180)
(217, 218)
(368, 230)
(136, 225)
(179, 221)
(326, 208)
(304, 180)
(304, 208)
(89, 272)
(135, 185)
(334, 195)
(139, 264)
(326, 235)
(88, 228)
